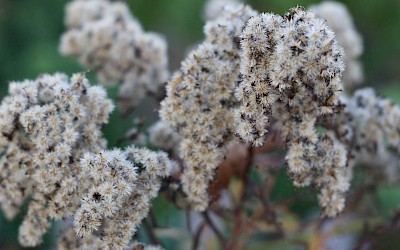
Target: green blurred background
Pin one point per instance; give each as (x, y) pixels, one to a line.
(30, 32)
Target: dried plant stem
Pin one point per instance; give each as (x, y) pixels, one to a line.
(238, 220)
(150, 231)
(269, 213)
(219, 235)
(197, 235)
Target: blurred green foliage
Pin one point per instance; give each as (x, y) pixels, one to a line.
(30, 33)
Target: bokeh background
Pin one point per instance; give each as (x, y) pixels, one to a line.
(30, 32)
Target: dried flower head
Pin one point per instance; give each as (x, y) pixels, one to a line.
(200, 101)
(68, 241)
(141, 246)
(368, 126)
(213, 8)
(291, 71)
(46, 126)
(339, 20)
(164, 137)
(123, 185)
(255, 92)
(106, 38)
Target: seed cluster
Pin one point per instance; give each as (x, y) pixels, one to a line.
(106, 38)
(291, 67)
(252, 72)
(123, 183)
(369, 127)
(200, 101)
(213, 8)
(46, 125)
(339, 20)
(164, 137)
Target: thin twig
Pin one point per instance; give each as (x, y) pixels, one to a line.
(371, 236)
(236, 232)
(219, 235)
(270, 214)
(150, 232)
(153, 219)
(196, 237)
(188, 220)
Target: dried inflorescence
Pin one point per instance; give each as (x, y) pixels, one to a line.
(200, 101)
(251, 70)
(123, 183)
(339, 20)
(164, 137)
(291, 71)
(106, 38)
(46, 126)
(369, 127)
(141, 246)
(15, 184)
(69, 241)
(213, 8)
(255, 92)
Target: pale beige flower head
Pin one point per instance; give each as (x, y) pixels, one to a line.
(200, 101)
(339, 19)
(46, 126)
(291, 68)
(123, 183)
(106, 38)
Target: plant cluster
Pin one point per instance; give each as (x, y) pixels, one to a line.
(257, 84)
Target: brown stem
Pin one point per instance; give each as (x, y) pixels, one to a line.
(224, 213)
(238, 221)
(150, 232)
(219, 235)
(188, 220)
(196, 238)
(269, 213)
(371, 236)
(153, 219)
(245, 178)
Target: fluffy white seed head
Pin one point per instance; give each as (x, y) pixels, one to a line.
(40, 123)
(120, 198)
(200, 101)
(291, 68)
(106, 38)
(340, 21)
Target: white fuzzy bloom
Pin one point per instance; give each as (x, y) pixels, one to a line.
(68, 240)
(213, 8)
(120, 198)
(106, 38)
(200, 101)
(254, 92)
(163, 136)
(369, 127)
(291, 69)
(340, 21)
(291, 64)
(40, 123)
(141, 246)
